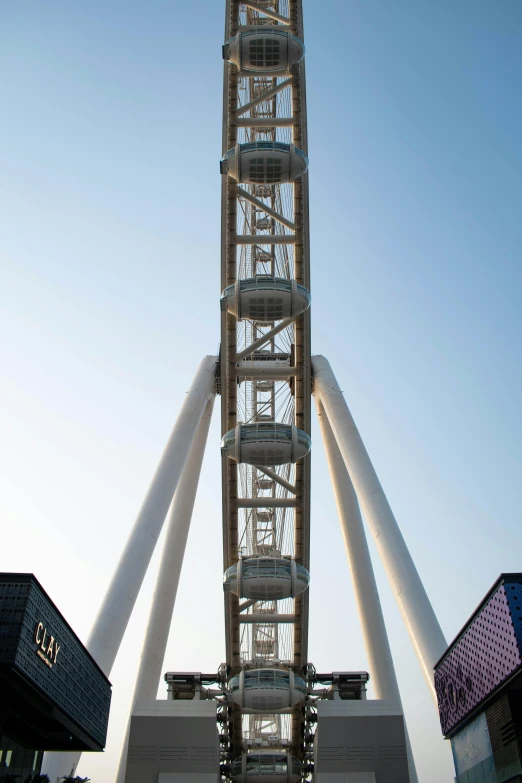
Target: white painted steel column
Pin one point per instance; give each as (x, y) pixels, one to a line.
(162, 607)
(418, 615)
(114, 614)
(380, 661)
(376, 642)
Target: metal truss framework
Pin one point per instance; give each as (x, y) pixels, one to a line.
(265, 369)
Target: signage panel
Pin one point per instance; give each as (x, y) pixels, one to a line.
(486, 654)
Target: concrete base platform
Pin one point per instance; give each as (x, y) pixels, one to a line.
(186, 777)
(173, 742)
(360, 741)
(347, 777)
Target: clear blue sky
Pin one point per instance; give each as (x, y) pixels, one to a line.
(109, 253)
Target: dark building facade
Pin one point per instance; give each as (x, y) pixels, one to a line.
(53, 695)
(17, 762)
(479, 689)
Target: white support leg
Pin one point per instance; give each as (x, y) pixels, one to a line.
(114, 614)
(380, 661)
(376, 642)
(418, 615)
(117, 607)
(162, 608)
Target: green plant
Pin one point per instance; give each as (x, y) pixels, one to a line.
(70, 779)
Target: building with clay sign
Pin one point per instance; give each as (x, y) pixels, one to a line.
(53, 695)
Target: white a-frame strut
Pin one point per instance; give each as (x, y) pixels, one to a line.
(380, 661)
(416, 610)
(184, 447)
(174, 486)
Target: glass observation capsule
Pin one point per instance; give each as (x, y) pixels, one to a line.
(265, 299)
(266, 767)
(267, 578)
(267, 690)
(266, 443)
(264, 162)
(266, 50)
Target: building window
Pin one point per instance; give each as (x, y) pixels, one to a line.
(264, 53)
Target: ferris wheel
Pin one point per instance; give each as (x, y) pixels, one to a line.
(267, 699)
